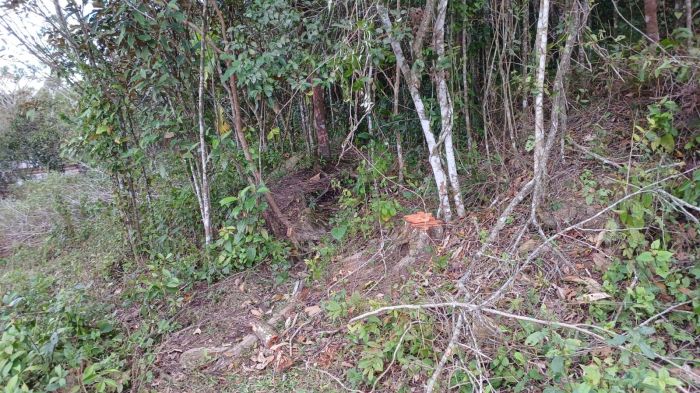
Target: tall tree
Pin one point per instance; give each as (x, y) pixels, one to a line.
(651, 20)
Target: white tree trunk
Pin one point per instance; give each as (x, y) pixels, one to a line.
(204, 189)
(558, 115)
(434, 158)
(540, 155)
(446, 109)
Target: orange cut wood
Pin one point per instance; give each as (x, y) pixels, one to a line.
(422, 220)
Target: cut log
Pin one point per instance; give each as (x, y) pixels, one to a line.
(265, 333)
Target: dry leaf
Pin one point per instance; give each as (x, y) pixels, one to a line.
(283, 362)
(600, 261)
(197, 331)
(312, 310)
(277, 346)
(599, 239)
(527, 246)
(277, 297)
(262, 360)
(587, 281)
(257, 312)
(592, 297)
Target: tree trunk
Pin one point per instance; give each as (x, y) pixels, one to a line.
(525, 50)
(539, 156)
(204, 180)
(689, 20)
(434, 158)
(558, 115)
(240, 136)
(446, 109)
(324, 149)
(395, 112)
(650, 18)
(397, 133)
(465, 91)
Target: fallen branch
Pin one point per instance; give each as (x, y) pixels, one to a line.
(594, 155)
(469, 307)
(446, 355)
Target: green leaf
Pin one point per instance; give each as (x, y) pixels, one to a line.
(90, 374)
(229, 72)
(535, 338)
(339, 232)
(11, 385)
(663, 256)
(228, 200)
(667, 142)
(645, 257)
(557, 365)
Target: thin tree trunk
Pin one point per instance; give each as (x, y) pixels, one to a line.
(651, 19)
(302, 118)
(465, 90)
(397, 133)
(324, 149)
(558, 115)
(427, 17)
(540, 142)
(446, 109)
(585, 11)
(395, 112)
(689, 20)
(240, 136)
(204, 190)
(525, 51)
(434, 158)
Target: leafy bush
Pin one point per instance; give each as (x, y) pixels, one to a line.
(76, 334)
(243, 240)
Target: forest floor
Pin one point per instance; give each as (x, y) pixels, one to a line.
(316, 349)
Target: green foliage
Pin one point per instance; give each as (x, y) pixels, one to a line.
(591, 192)
(659, 134)
(405, 339)
(36, 353)
(36, 132)
(243, 240)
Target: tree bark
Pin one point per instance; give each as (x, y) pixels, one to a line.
(417, 46)
(434, 158)
(525, 50)
(465, 86)
(558, 115)
(689, 19)
(204, 179)
(540, 147)
(446, 109)
(395, 112)
(324, 149)
(650, 18)
(397, 133)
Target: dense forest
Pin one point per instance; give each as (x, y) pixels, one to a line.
(330, 196)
